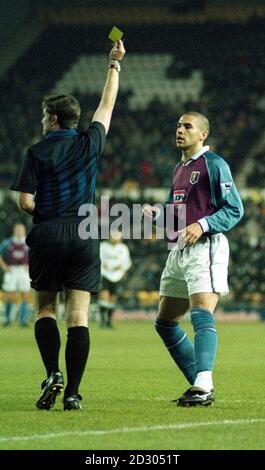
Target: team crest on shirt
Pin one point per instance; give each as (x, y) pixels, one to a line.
(179, 196)
(194, 177)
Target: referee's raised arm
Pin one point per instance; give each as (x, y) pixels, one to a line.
(104, 111)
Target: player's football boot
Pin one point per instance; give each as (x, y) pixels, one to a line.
(51, 387)
(72, 403)
(196, 396)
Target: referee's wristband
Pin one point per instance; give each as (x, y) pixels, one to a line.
(115, 64)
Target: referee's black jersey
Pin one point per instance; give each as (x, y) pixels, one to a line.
(61, 171)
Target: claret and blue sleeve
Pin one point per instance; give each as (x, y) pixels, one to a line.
(224, 195)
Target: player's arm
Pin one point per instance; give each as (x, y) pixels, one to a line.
(225, 197)
(26, 203)
(126, 261)
(3, 265)
(155, 212)
(104, 111)
(150, 211)
(3, 249)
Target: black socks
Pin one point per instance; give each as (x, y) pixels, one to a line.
(76, 354)
(48, 339)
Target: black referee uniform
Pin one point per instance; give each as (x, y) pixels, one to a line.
(61, 171)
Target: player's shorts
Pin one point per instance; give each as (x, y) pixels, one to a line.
(16, 280)
(112, 287)
(199, 268)
(59, 258)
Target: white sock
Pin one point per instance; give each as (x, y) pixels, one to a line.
(204, 380)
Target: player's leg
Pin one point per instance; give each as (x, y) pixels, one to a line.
(9, 300)
(77, 346)
(177, 342)
(111, 309)
(205, 347)
(206, 274)
(9, 289)
(23, 312)
(173, 305)
(24, 289)
(205, 340)
(48, 339)
(104, 302)
(107, 302)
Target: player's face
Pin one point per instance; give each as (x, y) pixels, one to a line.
(19, 231)
(115, 237)
(188, 133)
(47, 122)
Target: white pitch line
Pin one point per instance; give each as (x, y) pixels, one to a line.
(162, 427)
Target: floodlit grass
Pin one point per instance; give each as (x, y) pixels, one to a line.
(127, 388)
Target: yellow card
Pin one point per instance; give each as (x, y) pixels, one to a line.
(115, 34)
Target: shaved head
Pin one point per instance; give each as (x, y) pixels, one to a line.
(202, 120)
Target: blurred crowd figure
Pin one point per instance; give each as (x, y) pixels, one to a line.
(16, 282)
(145, 137)
(115, 262)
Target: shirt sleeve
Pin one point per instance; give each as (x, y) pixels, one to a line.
(4, 247)
(26, 178)
(97, 134)
(225, 198)
(126, 261)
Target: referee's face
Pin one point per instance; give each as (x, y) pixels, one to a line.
(188, 133)
(47, 122)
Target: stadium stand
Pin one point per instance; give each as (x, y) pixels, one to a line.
(222, 78)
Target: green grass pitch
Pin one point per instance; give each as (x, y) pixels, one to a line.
(127, 388)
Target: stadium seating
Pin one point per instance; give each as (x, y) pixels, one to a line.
(160, 78)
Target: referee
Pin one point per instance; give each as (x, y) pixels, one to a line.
(57, 176)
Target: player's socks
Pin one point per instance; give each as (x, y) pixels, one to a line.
(48, 339)
(76, 354)
(204, 380)
(103, 315)
(205, 340)
(24, 313)
(179, 346)
(109, 317)
(7, 313)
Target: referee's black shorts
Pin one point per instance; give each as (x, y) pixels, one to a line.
(59, 258)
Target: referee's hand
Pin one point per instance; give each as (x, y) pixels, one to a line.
(190, 234)
(118, 51)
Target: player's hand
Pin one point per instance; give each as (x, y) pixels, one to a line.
(190, 234)
(117, 268)
(118, 51)
(150, 211)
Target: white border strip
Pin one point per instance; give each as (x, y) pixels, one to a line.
(176, 427)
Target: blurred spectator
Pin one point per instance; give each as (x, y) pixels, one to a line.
(16, 282)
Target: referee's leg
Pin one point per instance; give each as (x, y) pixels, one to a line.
(46, 330)
(48, 339)
(77, 346)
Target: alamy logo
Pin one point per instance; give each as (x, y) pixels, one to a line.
(134, 222)
(194, 177)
